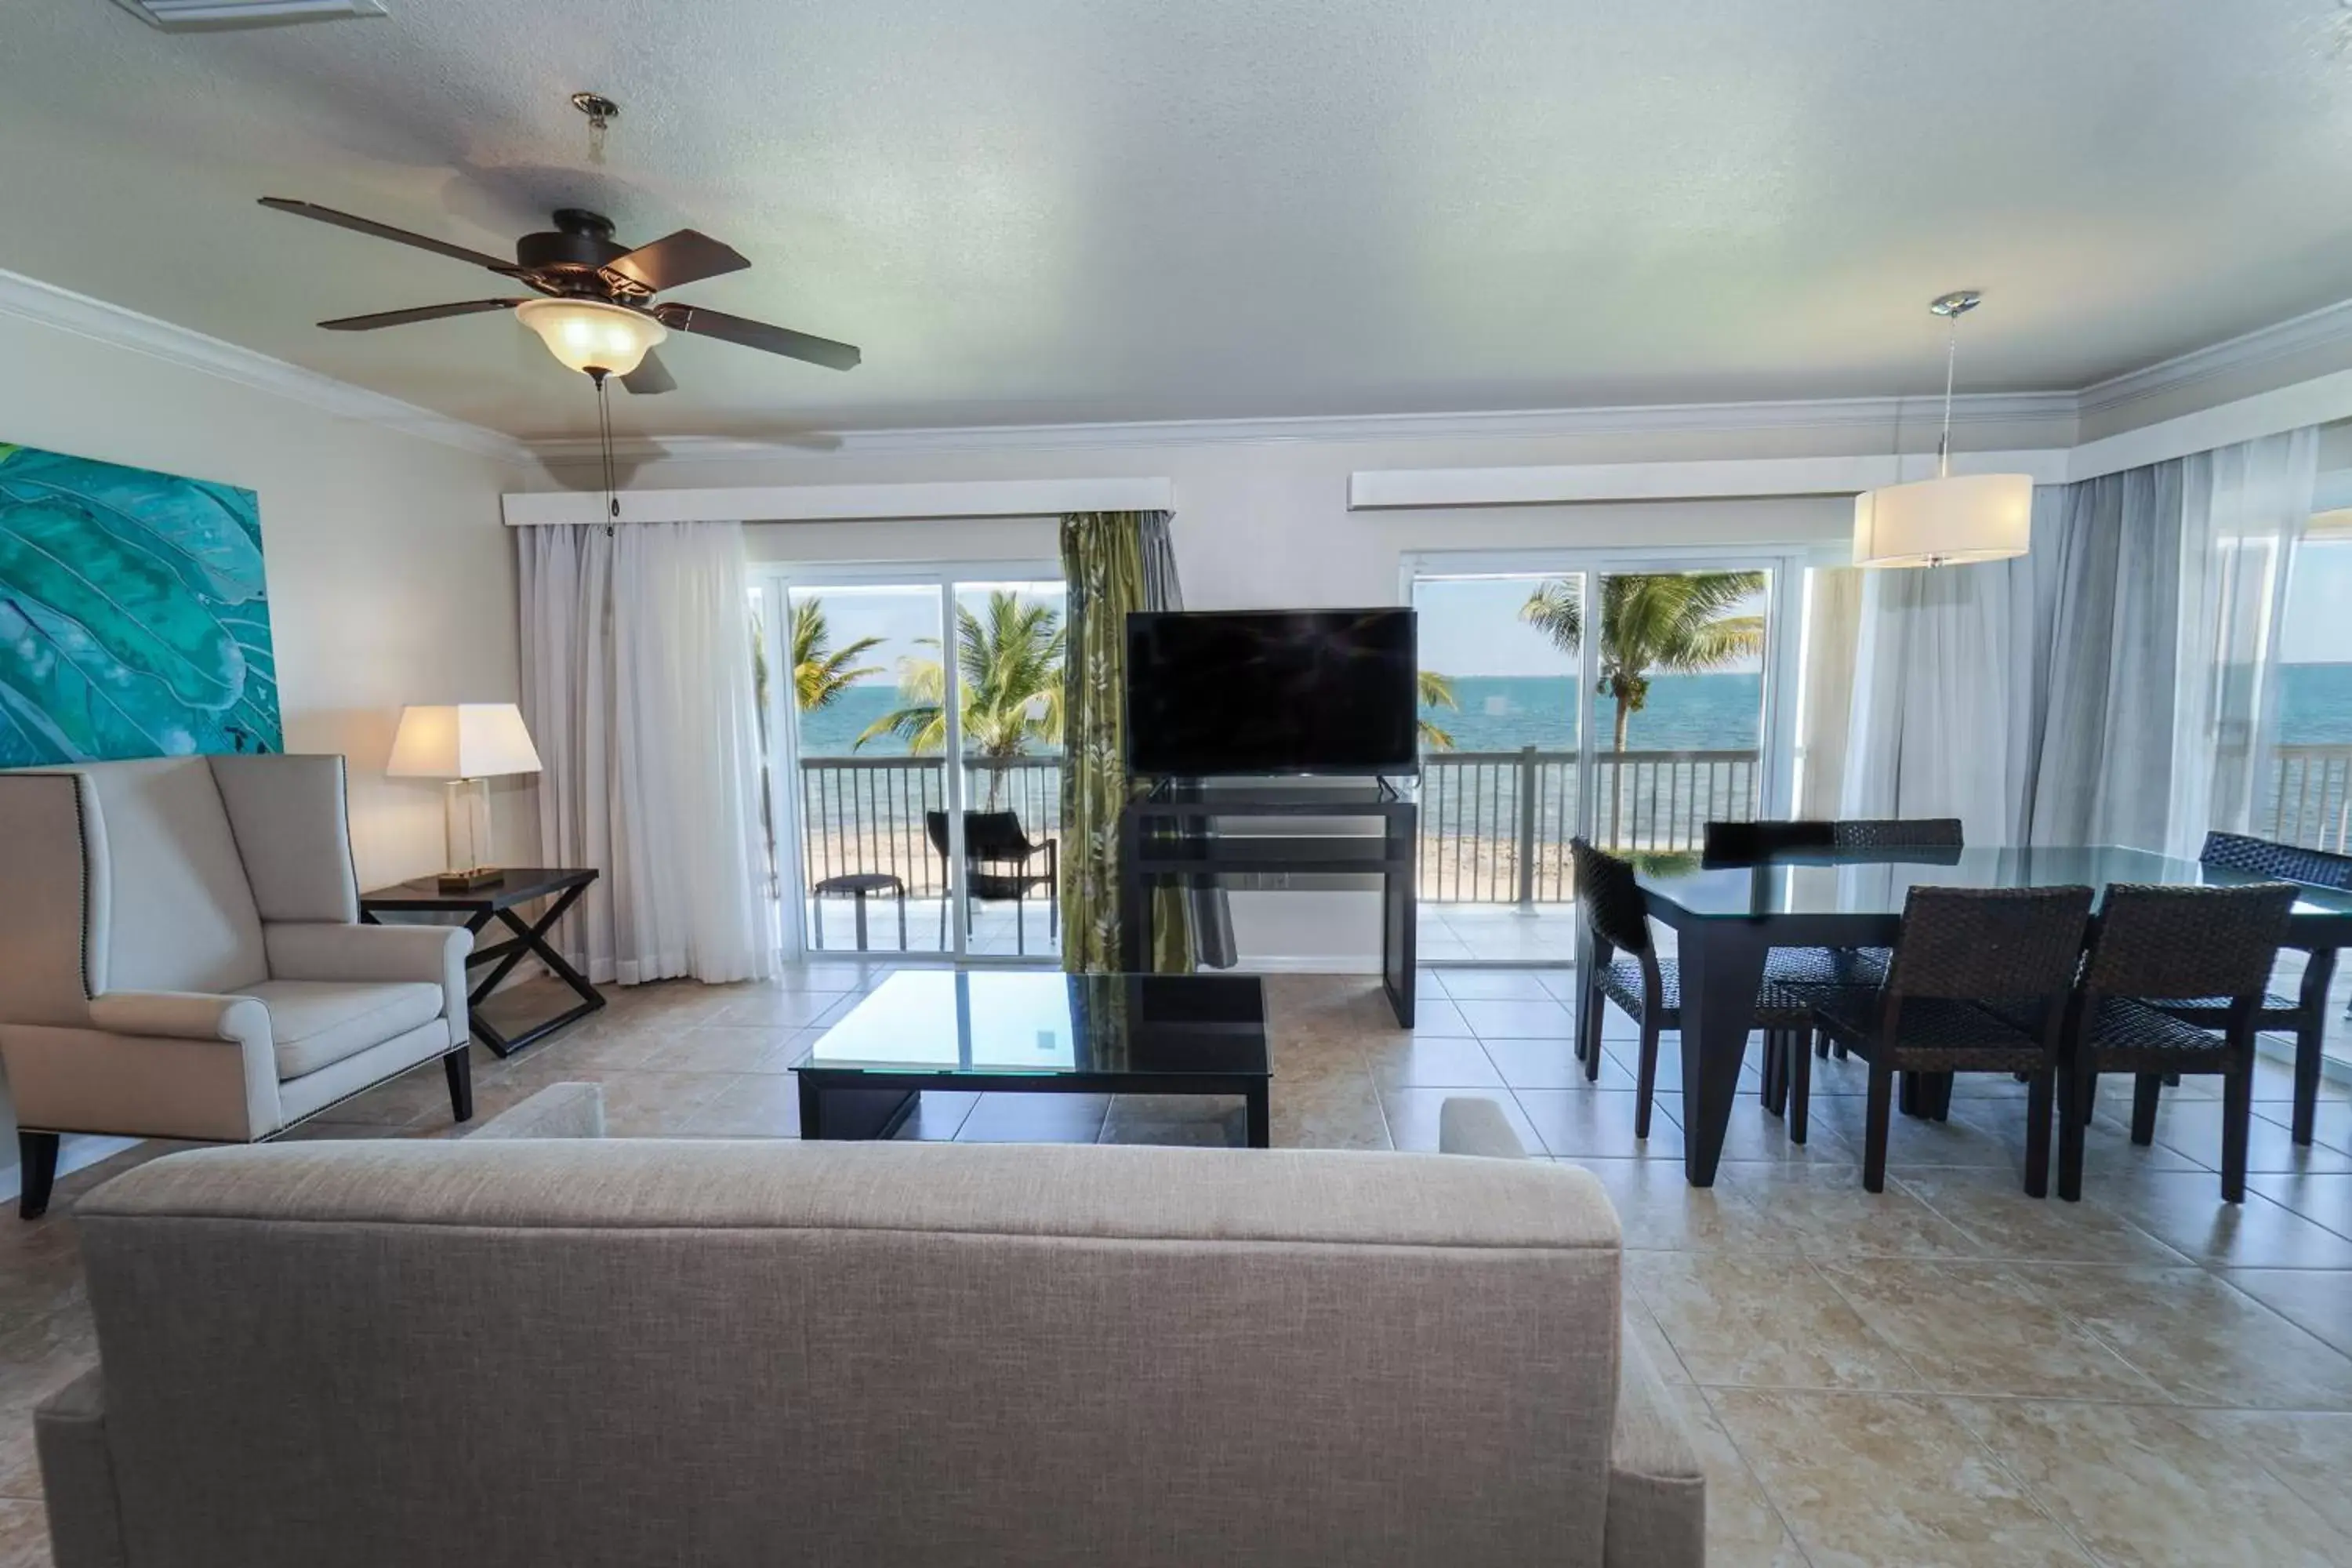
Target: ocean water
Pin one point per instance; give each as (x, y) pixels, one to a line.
(2315, 705)
(1720, 712)
(1685, 712)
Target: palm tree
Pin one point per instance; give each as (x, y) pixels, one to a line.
(819, 675)
(1436, 691)
(1010, 666)
(1675, 623)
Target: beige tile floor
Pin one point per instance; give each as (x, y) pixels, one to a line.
(1949, 1372)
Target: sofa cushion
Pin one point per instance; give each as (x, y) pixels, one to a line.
(317, 1023)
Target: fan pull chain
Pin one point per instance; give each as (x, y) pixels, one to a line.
(1951, 359)
(604, 444)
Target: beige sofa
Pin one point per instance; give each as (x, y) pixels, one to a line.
(181, 956)
(537, 1351)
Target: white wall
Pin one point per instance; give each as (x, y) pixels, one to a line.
(1265, 522)
(391, 578)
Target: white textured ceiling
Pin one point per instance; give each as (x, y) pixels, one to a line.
(1045, 210)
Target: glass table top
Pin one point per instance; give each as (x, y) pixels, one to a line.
(1021, 1022)
(1876, 882)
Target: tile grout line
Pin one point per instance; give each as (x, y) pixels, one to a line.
(2001, 1465)
(1788, 1530)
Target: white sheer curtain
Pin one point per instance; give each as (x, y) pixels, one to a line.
(637, 681)
(1945, 691)
(2245, 508)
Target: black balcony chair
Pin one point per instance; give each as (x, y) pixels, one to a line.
(2155, 946)
(997, 860)
(1978, 981)
(2306, 1014)
(1626, 970)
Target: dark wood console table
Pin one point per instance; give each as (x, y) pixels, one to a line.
(1174, 840)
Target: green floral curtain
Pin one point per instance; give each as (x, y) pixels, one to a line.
(1115, 562)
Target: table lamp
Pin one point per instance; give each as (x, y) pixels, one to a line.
(468, 743)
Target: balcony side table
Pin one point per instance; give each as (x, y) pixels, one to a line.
(480, 906)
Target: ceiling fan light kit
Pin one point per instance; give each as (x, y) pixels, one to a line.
(588, 335)
(1946, 521)
(597, 311)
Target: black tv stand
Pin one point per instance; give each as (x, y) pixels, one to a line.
(1161, 842)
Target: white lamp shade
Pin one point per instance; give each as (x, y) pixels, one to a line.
(1945, 522)
(585, 334)
(464, 740)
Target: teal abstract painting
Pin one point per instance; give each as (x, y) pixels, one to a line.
(134, 617)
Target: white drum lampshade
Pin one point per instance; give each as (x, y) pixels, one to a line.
(1946, 522)
(468, 743)
(1952, 518)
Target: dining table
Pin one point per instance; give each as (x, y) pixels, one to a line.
(1727, 918)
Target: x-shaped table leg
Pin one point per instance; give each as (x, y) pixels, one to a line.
(527, 939)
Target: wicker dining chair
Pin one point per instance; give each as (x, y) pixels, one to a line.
(1896, 833)
(1961, 953)
(2268, 857)
(2306, 1016)
(1627, 970)
(2155, 945)
(1743, 843)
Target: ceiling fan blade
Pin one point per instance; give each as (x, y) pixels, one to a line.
(650, 377)
(419, 314)
(686, 256)
(758, 336)
(385, 231)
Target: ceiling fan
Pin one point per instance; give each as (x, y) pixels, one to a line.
(596, 310)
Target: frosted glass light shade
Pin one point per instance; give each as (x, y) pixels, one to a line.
(585, 334)
(464, 740)
(1945, 522)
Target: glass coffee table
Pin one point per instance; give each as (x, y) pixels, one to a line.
(1035, 1032)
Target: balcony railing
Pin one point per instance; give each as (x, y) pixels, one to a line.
(2310, 800)
(866, 813)
(1495, 825)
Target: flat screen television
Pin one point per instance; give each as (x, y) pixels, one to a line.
(1280, 691)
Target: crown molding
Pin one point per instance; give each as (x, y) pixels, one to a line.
(2330, 326)
(45, 304)
(1841, 413)
(842, 503)
(48, 305)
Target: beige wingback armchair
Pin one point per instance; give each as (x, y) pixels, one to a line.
(181, 956)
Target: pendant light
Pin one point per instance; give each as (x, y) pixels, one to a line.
(1950, 520)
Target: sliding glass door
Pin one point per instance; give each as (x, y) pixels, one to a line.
(1009, 666)
(883, 675)
(1629, 699)
(1675, 687)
